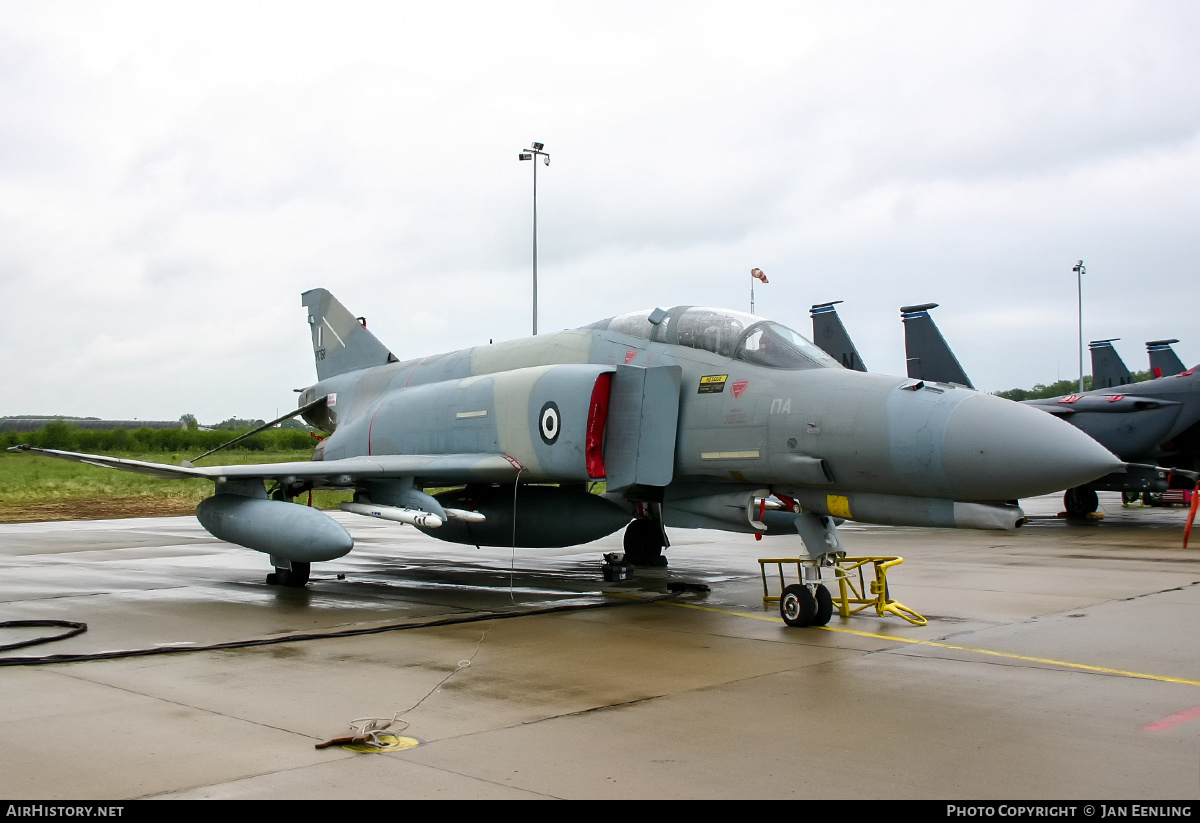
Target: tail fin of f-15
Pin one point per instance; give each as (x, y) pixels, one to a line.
(341, 342)
(1108, 369)
(929, 356)
(1164, 362)
(831, 336)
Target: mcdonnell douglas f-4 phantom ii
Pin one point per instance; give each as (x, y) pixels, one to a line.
(694, 417)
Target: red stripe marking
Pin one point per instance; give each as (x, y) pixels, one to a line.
(1172, 721)
(414, 371)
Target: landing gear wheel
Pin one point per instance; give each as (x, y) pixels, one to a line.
(1130, 497)
(1153, 499)
(296, 577)
(824, 606)
(643, 543)
(798, 606)
(1081, 500)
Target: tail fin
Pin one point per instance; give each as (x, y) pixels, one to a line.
(1108, 369)
(341, 342)
(831, 336)
(1164, 362)
(929, 356)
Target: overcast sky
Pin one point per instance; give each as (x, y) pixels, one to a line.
(174, 175)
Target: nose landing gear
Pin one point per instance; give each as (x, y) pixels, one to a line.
(803, 605)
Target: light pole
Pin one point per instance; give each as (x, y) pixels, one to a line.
(1080, 270)
(529, 154)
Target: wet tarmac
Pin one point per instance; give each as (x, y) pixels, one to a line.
(1059, 661)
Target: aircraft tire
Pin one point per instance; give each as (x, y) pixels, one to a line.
(643, 543)
(824, 607)
(296, 577)
(1130, 497)
(798, 606)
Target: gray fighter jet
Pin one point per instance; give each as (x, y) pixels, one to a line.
(1153, 425)
(695, 417)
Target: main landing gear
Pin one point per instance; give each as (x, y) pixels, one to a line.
(645, 539)
(292, 574)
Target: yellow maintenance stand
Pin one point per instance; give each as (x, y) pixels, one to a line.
(853, 589)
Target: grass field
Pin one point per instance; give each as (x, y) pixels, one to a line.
(34, 488)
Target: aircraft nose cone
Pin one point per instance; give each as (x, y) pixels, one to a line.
(994, 449)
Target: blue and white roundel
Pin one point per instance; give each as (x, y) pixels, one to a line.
(549, 424)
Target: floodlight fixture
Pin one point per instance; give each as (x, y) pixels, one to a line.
(1080, 270)
(528, 154)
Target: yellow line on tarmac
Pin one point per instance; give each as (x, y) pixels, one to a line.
(939, 645)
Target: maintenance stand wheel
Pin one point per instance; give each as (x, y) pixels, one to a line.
(1081, 500)
(643, 543)
(797, 606)
(296, 577)
(824, 607)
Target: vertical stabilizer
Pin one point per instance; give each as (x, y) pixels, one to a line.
(830, 335)
(929, 356)
(341, 342)
(1164, 362)
(1108, 369)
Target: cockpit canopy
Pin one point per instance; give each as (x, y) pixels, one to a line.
(724, 332)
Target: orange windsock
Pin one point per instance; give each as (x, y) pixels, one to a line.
(759, 274)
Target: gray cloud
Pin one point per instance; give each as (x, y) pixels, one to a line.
(171, 178)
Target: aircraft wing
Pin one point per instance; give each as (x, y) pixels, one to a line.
(452, 469)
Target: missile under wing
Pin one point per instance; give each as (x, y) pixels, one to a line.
(694, 417)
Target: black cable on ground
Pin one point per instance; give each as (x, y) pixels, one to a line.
(75, 628)
(292, 638)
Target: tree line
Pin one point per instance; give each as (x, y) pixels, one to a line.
(1041, 391)
(65, 437)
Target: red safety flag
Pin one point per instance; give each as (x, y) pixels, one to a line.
(1187, 530)
(759, 274)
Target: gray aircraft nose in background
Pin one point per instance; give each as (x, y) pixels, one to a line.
(994, 449)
